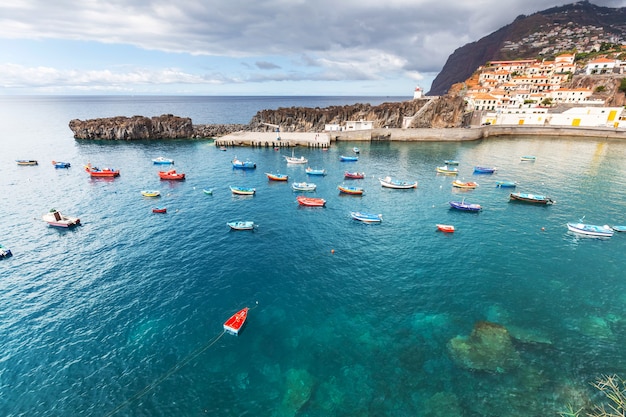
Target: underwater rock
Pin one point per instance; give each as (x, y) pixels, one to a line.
(488, 348)
(299, 387)
(442, 404)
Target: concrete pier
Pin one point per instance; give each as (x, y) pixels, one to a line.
(275, 139)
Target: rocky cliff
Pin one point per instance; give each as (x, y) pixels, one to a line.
(165, 126)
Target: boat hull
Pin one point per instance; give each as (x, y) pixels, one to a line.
(241, 225)
(277, 177)
(303, 186)
(351, 190)
(447, 171)
(56, 219)
(159, 210)
(243, 191)
(484, 170)
(531, 198)
(171, 175)
(446, 228)
(459, 205)
(366, 217)
(236, 322)
(590, 229)
(467, 185)
(403, 185)
(354, 175)
(311, 202)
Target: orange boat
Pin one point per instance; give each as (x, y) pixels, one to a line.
(171, 175)
(277, 177)
(446, 228)
(350, 190)
(311, 201)
(461, 184)
(104, 172)
(236, 321)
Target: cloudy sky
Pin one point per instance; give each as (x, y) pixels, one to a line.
(236, 47)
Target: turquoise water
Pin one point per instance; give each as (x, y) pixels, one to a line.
(123, 314)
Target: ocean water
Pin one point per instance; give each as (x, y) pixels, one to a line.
(123, 315)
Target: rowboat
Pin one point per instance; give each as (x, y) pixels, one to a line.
(26, 162)
(528, 158)
(356, 150)
(462, 205)
(241, 225)
(159, 210)
(5, 252)
(461, 184)
(447, 170)
(303, 186)
(446, 228)
(101, 173)
(277, 177)
(451, 162)
(485, 170)
(295, 160)
(247, 164)
(162, 161)
(590, 229)
(150, 193)
(366, 217)
(531, 198)
(619, 228)
(506, 184)
(310, 201)
(354, 175)
(243, 190)
(208, 191)
(234, 324)
(345, 158)
(55, 218)
(171, 175)
(391, 183)
(311, 171)
(350, 190)
(58, 164)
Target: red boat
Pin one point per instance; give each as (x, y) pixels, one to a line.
(236, 321)
(159, 210)
(104, 172)
(311, 201)
(354, 175)
(446, 228)
(171, 175)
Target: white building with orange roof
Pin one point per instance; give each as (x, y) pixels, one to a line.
(482, 101)
(601, 66)
(565, 59)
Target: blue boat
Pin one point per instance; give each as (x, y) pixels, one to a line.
(366, 217)
(531, 198)
(484, 170)
(345, 158)
(506, 184)
(311, 171)
(462, 205)
(58, 164)
(162, 161)
(243, 164)
(619, 228)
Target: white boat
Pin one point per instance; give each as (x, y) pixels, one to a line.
(241, 225)
(55, 218)
(303, 186)
(293, 160)
(391, 183)
(590, 229)
(162, 161)
(366, 217)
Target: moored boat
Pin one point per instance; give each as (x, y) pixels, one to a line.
(462, 205)
(162, 161)
(159, 210)
(277, 177)
(354, 175)
(55, 218)
(241, 225)
(590, 229)
(447, 170)
(311, 171)
(345, 158)
(619, 228)
(303, 186)
(389, 182)
(150, 193)
(531, 198)
(350, 190)
(528, 158)
(59, 164)
(235, 323)
(484, 170)
(310, 201)
(366, 217)
(356, 150)
(5, 252)
(506, 184)
(451, 162)
(171, 175)
(247, 164)
(446, 228)
(101, 173)
(208, 191)
(467, 184)
(295, 160)
(26, 162)
(243, 190)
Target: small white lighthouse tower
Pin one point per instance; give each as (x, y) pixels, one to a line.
(417, 93)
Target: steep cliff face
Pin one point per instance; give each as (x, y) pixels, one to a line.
(165, 126)
(605, 87)
(443, 112)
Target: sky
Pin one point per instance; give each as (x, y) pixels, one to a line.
(236, 47)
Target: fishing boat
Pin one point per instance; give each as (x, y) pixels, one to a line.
(506, 184)
(277, 177)
(303, 186)
(5, 252)
(55, 218)
(451, 162)
(344, 158)
(354, 175)
(310, 201)
(171, 175)
(619, 228)
(485, 170)
(247, 164)
(446, 228)
(388, 182)
(235, 323)
(101, 173)
(311, 171)
(356, 150)
(350, 190)
(26, 162)
(366, 217)
(241, 225)
(468, 184)
(531, 198)
(162, 161)
(590, 229)
(447, 170)
(208, 191)
(59, 164)
(295, 160)
(462, 205)
(243, 190)
(528, 158)
(150, 193)
(159, 210)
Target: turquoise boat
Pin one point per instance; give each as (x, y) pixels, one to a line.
(506, 184)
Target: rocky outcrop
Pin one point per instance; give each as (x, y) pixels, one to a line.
(165, 126)
(605, 87)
